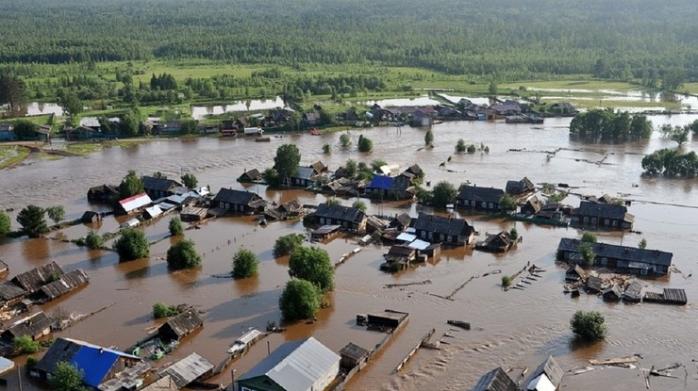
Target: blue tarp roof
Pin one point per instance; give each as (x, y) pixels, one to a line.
(95, 363)
(382, 182)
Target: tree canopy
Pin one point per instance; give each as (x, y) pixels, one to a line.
(244, 264)
(286, 160)
(312, 264)
(132, 244)
(286, 244)
(588, 326)
(608, 125)
(300, 299)
(132, 184)
(33, 221)
(443, 194)
(183, 255)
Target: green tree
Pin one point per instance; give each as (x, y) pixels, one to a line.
(587, 253)
(32, 221)
(132, 244)
(471, 148)
(189, 180)
(351, 168)
(130, 125)
(286, 244)
(694, 128)
(360, 205)
(161, 310)
(299, 300)
(443, 194)
(272, 177)
(429, 137)
(5, 225)
(588, 237)
(377, 164)
(506, 281)
(183, 255)
(286, 160)
(132, 184)
(175, 226)
(507, 203)
(71, 104)
(492, 89)
(24, 344)
(66, 377)
(460, 146)
(244, 264)
(588, 326)
(93, 240)
(326, 149)
(365, 144)
(312, 264)
(642, 244)
(25, 129)
(344, 140)
(55, 213)
(12, 92)
(513, 233)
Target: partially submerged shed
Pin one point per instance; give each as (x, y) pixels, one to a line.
(64, 285)
(547, 373)
(495, 380)
(352, 355)
(35, 326)
(188, 369)
(180, 326)
(32, 280)
(10, 294)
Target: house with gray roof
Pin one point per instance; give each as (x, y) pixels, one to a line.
(238, 201)
(619, 258)
(303, 365)
(600, 215)
(479, 198)
(349, 218)
(448, 230)
(495, 380)
(157, 187)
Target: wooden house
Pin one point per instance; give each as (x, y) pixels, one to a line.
(519, 187)
(35, 326)
(238, 201)
(352, 355)
(250, 176)
(67, 283)
(32, 280)
(349, 218)
(479, 198)
(498, 243)
(446, 230)
(157, 187)
(386, 187)
(495, 380)
(623, 259)
(180, 326)
(599, 215)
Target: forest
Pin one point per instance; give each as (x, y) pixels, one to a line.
(503, 39)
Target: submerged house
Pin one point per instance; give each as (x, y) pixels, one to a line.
(36, 326)
(447, 230)
(304, 177)
(304, 365)
(238, 201)
(32, 280)
(479, 198)
(498, 243)
(522, 186)
(249, 176)
(602, 215)
(10, 295)
(386, 187)
(547, 377)
(180, 326)
(65, 284)
(349, 218)
(98, 364)
(134, 203)
(619, 258)
(188, 370)
(495, 380)
(160, 187)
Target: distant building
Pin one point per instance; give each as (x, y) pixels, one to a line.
(160, 187)
(601, 215)
(304, 365)
(238, 201)
(249, 176)
(620, 258)
(479, 198)
(448, 230)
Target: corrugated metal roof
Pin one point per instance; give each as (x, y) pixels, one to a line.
(95, 363)
(541, 383)
(188, 369)
(296, 365)
(135, 202)
(419, 245)
(153, 211)
(406, 237)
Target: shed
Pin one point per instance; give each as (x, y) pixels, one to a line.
(165, 383)
(550, 370)
(612, 293)
(153, 212)
(252, 175)
(64, 285)
(193, 213)
(34, 279)
(135, 202)
(325, 232)
(35, 326)
(188, 369)
(10, 294)
(352, 355)
(385, 319)
(495, 380)
(400, 253)
(90, 217)
(180, 326)
(633, 292)
(594, 284)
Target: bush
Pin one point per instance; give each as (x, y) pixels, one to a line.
(56, 213)
(506, 281)
(344, 140)
(460, 146)
(642, 244)
(588, 237)
(183, 256)
(31, 362)
(161, 310)
(66, 377)
(132, 245)
(513, 233)
(271, 177)
(24, 344)
(588, 326)
(93, 240)
(32, 221)
(175, 227)
(130, 185)
(312, 264)
(377, 164)
(351, 168)
(507, 203)
(587, 253)
(286, 244)
(443, 194)
(326, 149)
(429, 137)
(365, 144)
(299, 300)
(189, 180)
(244, 264)
(360, 205)
(5, 225)
(471, 148)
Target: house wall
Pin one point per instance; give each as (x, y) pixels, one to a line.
(479, 205)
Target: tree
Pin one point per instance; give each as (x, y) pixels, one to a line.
(365, 144)
(271, 177)
(93, 240)
(132, 184)
(344, 140)
(506, 281)
(5, 225)
(299, 300)
(694, 128)
(429, 137)
(244, 264)
(351, 168)
(161, 310)
(71, 104)
(443, 194)
(175, 226)
(12, 92)
(25, 130)
(312, 264)
(588, 237)
(471, 148)
(130, 124)
(377, 164)
(183, 255)
(24, 344)
(132, 244)
(189, 180)
(642, 244)
(32, 221)
(286, 244)
(507, 203)
(588, 326)
(460, 146)
(56, 213)
(492, 89)
(679, 134)
(66, 377)
(360, 205)
(587, 253)
(286, 160)
(513, 233)
(326, 149)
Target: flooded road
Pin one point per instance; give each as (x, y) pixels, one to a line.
(510, 329)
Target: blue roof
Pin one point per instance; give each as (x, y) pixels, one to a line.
(382, 182)
(95, 363)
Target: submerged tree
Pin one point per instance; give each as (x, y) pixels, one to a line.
(132, 184)
(312, 264)
(589, 326)
(132, 244)
(32, 221)
(286, 160)
(299, 300)
(183, 255)
(244, 264)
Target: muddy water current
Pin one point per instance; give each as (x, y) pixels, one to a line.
(513, 329)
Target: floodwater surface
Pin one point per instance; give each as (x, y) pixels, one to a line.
(513, 329)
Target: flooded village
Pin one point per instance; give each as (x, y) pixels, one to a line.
(539, 225)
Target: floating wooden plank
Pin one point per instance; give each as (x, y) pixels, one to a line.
(615, 361)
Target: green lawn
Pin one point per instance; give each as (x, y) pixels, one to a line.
(11, 155)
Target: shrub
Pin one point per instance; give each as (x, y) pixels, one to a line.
(513, 233)
(244, 264)
(365, 144)
(5, 225)
(56, 213)
(471, 148)
(130, 185)
(271, 177)
(507, 203)
(443, 194)
(66, 377)
(189, 180)
(588, 326)
(588, 237)
(326, 149)
(32, 221)
(183, 256)
(286, 244)
(31, 362)
(345, 140)
(360, 205)
(176, 227)
(642, 244)
(429, 137)
(587, 253)
(377, 164)
(351, 167)
(161, 310)
(312, 264)
(506, 281)
(460, 146)
(93, 240)
(24, 344)
(299, 300)
(132, 245)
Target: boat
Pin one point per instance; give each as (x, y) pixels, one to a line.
(245, 341)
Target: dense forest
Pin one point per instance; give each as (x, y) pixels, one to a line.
(513, 39)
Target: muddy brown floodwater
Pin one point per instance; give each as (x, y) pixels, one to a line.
(510, 329)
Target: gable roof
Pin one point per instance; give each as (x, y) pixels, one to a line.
(9, 291)
(631, 254)
(602, 210)
(495, 380)
(339, 212)
(304, 173)
(159, 184)
(188, 369)
(296, 365)
(238, 197)
(34, 279)
(443, 225)
(184, 323)
(475, 193)
(31, 325)
(135, 202)
(67, 283)
(550, 369)
(522, 186)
